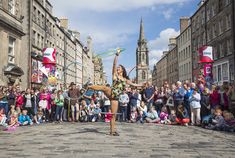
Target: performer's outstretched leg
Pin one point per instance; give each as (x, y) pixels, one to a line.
(114, 108)
(105, 89)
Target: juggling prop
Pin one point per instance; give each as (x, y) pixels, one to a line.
(110, 52)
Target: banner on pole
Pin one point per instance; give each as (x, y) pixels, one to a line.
(205, 54)
(49, 56)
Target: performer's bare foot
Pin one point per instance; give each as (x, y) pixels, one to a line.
(114, 134)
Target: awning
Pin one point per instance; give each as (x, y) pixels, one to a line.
(13, 70)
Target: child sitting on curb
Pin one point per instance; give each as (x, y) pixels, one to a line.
(164, 116)
(182, 116)
(152, 116)
(24, 119)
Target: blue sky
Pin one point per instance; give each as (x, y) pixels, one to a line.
(115, 23)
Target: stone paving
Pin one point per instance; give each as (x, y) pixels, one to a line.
(75, 140)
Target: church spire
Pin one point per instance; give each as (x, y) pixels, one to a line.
(141, 38)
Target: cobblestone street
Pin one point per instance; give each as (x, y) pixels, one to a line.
(135, 140)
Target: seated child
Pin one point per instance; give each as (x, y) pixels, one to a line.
(83, 112)
(182, 116)
(142, 111)
(24, 119)
(91, 108)
(172, 117)
(11, 111)
(229, 118)
(3, 118)
(108, 116)
(13, 121)
(218, 122)
(164, 116)
(96, 113)
(152, 116)
(40, 116)
(133, 116)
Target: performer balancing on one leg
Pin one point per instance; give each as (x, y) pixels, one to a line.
(120, 80)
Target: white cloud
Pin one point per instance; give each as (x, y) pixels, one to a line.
(112, 5)
(168, 13)
(160, 44)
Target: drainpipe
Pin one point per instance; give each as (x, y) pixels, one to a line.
(233, 32)
(30, 44)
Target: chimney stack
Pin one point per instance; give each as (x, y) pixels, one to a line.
(172, 43)
(64, 22)
(184, 23)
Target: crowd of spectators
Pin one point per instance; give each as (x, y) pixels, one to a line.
(177, 104)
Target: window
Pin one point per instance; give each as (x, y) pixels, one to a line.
(215, 55)
(208, 14)
(214, 31)
(11, 50)
(214, 73)
(39, 18)
(43, 20)
(11, 6)
(219, 73)
(0, 3)
(229, 46)
(204, 39)
(42, 41)
(220, 26)
(228, 21)
(225, 75)
(213, 10)
(34, 13)
(227, 2)
(38, 40)
(221, 50)
(34, 37)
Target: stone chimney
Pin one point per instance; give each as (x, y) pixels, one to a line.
(64, 22)
(172, 43)
(201, 3)
(184, 23)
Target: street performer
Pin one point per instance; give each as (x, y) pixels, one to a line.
(120, 80)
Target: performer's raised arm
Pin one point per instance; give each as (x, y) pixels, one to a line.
(115, 64)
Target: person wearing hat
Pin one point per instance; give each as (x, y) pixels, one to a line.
(74, 95)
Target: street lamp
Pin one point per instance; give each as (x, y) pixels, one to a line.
(66, 67)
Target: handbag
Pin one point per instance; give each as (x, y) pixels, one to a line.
(170, 102)
(43, 104)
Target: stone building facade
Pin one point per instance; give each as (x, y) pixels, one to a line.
(184, 50)
(161, 67)
(99, 74)
(88, 63)
(44, 30)
(13, 63)
(198, 37)
(220, 36)
(142, 58)
(154, 75)
(172, 62)
(213, 25)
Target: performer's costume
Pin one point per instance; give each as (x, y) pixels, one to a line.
(117, 88)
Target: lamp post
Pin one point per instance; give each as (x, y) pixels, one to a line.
(65, 68)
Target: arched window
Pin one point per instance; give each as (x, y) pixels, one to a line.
(143, 57)
(143, 75)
